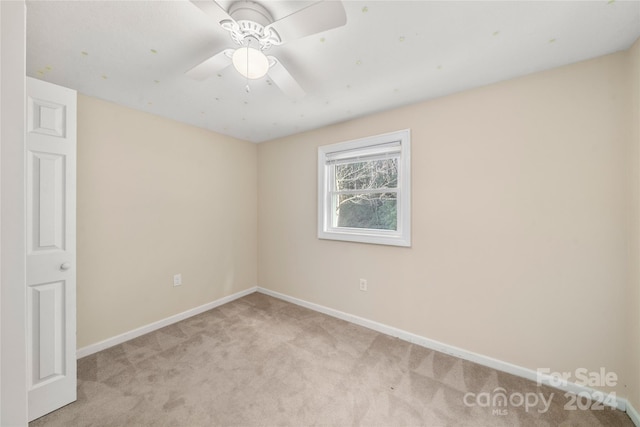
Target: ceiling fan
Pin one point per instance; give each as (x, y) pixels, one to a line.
(254, 31)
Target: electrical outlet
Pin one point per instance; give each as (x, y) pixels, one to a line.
(177, 280)
(363, 284)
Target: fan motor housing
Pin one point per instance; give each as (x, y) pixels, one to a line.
(250, 11)
(249, 22)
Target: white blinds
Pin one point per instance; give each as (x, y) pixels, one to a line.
(373, 152)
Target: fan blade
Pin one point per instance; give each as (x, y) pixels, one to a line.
(213, 10)
(285, 81)
(318, 17)
(210, 66)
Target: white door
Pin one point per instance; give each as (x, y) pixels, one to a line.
(51, 246)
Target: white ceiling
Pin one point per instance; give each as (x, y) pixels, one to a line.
(390, 53)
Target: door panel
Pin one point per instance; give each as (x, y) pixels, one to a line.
(46, 324)
(46, 117)
(51, 248)
(47, 196)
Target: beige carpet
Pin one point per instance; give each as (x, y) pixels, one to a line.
(259, 361)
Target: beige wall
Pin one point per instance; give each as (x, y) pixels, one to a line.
(155, 198)
(634, 293)
(520, 222)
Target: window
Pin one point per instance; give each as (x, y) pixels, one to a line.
(364, 192)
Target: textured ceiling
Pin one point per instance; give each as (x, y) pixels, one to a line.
(390, 53)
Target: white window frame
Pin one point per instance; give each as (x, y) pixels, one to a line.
(399, 141)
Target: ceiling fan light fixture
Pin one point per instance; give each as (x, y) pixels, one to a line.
(250, 62)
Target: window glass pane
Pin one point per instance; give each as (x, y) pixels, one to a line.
(373, 210)
(367, 175)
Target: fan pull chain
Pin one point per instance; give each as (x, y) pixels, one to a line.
(247, 88)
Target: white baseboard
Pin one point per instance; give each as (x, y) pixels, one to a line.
(633, 414)
(119, 339)
(611, 400)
